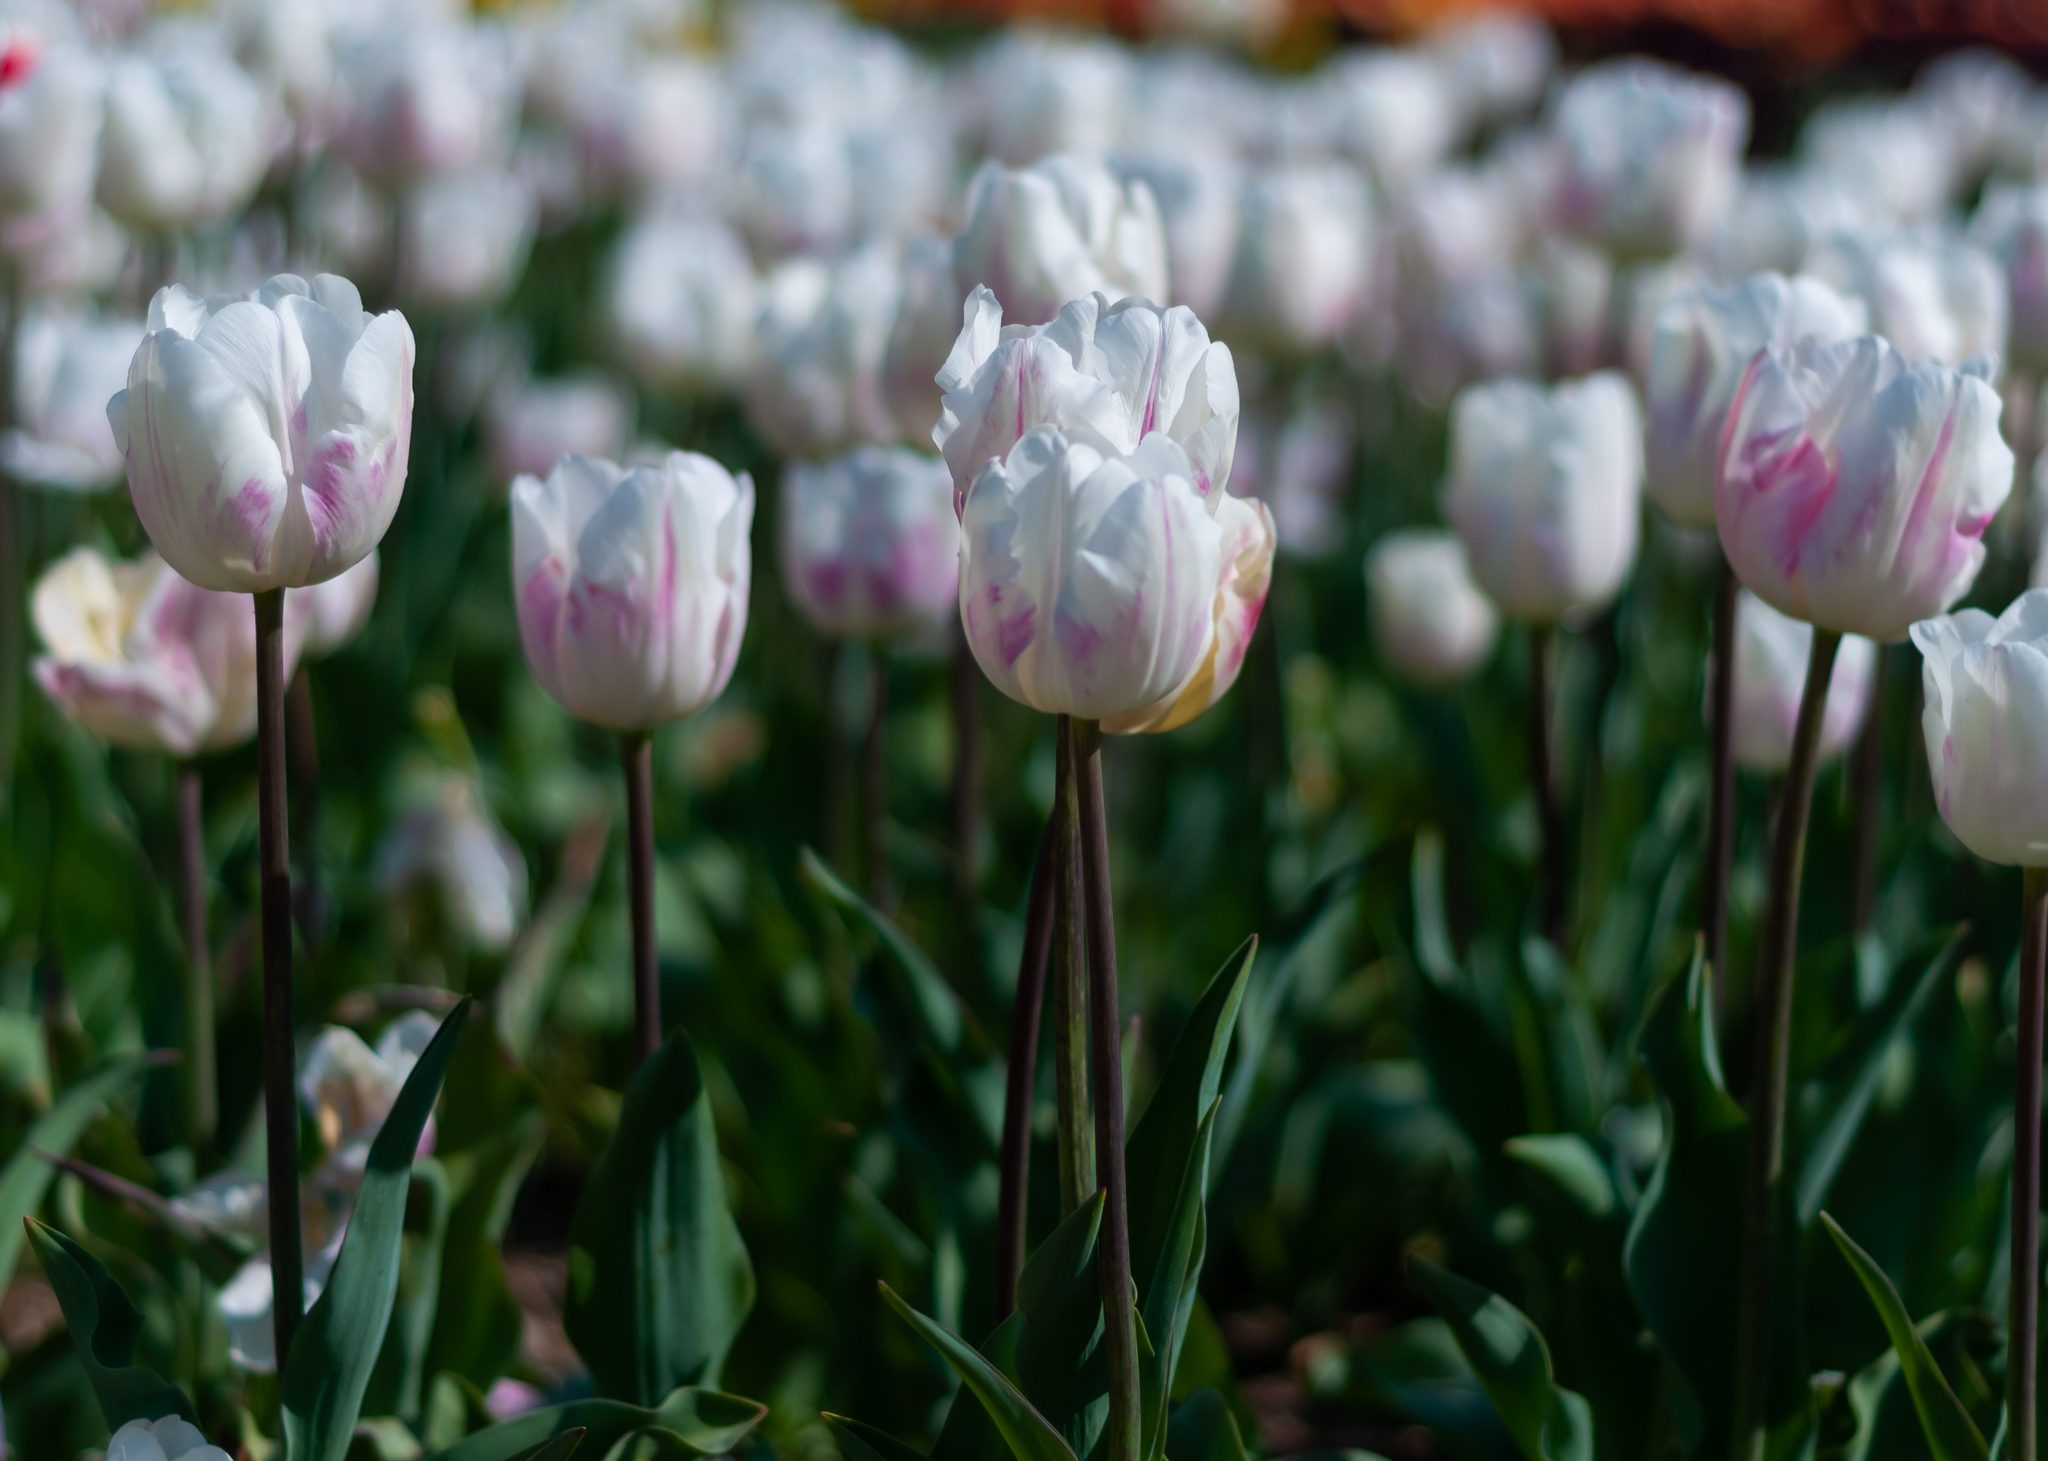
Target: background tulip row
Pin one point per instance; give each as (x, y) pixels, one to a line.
(649, 436)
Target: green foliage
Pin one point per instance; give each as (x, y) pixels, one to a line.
(104, 1326)
(688, 1423)
(1510, 1359)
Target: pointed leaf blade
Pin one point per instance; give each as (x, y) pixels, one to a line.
(1029, 1435)
(1512, 1364)
(104, 1326)
(690, 1422)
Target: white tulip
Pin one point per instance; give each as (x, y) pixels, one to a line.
(66, 365)
(1429, 619)
(188, 137)
(1932, 297)
(463, 237)
(2011, 226)
(168, 1439)
(1196, 193)
(531, 424)
(1986, 685)
(870, 544)
(1304, 258)
(680, 298)
(816, 387)
(1040, 236)
(927, 320)
(52, 109)
(453, 842)
(1043, 94)
(1771, 654)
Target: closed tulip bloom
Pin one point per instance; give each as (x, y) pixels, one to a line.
(2012, 227)
(531, 424)
(1543, 490)
(1648, 156)
(51, 114)
(168, 1439)
(1932, 297)
(794, 190)
(870, 544)
(1702, 342)
(450, 841)
(1429, 620)
(423, 98)
(463, 238)
(337, 610)
(816, 386)
(1771, 654)
(1110, 587)
(1854, 488)
(1304, 258)
(1107, 375)
(1299, 468)
(1395, 112)
(1043, 94)
(1986, 687)
(632, 584)
(267, 437)
(1040, 236)
(65, 367)
(1778, 217)
(927, 320)
(188, 137)
(1197, 196)
(1895, 154)
(680, 298)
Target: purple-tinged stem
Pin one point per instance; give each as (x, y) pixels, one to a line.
(280, 1087)
(1025, 1009)
(636, 758)
(202, 1100)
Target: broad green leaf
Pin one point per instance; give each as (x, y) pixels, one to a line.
(27, 1176)
(104, 1327)
(1951, 1434)
(1571, 1164)
(335, 1349)
(690, 1422)
(400, 1374)
(1169, 1297)
(1512, 1363)
(1202, 1428)
(476, 1319)
(859, 1441)
(1029, 1435)
(555, 1448)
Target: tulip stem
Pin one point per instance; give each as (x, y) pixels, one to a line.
(2024, 1316)
(1070, 985)
(1120, 1331)
(1721, 793)
(1544, 780)
(305, 753)
(280, 1087)
(1025, 1011)
(1770, 1060)
(11, 556)
(1866, 772)
(202, 1107)
(967, 777)
(875, 781)
(636, 758)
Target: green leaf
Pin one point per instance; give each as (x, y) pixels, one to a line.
(476, 1318)
(938, 1009)
(1202, 1428)
(1571, 1164)
(859, 1441)
(27, 1176)
(659, 1281)
(104, 1326)
(1951, 1434)
(397, 1381)
(1512, 1363)
(555, 1448)
(1029, 1435)
(335, 1349)
(690, 1422)
(1170, 1296)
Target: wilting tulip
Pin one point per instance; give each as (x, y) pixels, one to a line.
(267, 437)
(870, 545)
(531, 424)
(337, 610)
(1105, 374)
(143, 659)
(816, 387)
(632, 584)
(1932, 297)
(927, 320)
(168, 1439)
(680, 300)
(1771, 653)
(1040, 236)
(1648, 156)
(1106, 587)
(1543, 490)
(2012, 227)
(1854, 488)
(1303, 258)
(188, 137)
(454, 843)
(1429, 619)
(1702, 344)
(65, 368)
(463, 237)
(1986, 683)
(51, 113)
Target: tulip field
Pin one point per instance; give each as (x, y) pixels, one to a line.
(736, 728)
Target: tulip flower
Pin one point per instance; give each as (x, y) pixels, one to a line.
(1395, 112)
(1304, 258)
(168, 1439)
(188, 137)
(870, 545)
(1933, 298)
(679, 300)
(531, 424)
(453, 843)
(1063, 228)
(816, 385)
(1464, 314)
(1771, 654)
(1105, 374)
(463, 238)
(1429, 620)
(1499, 60)
(1647, 156)
(337, 610)
(1854, 488)
(1044, 94)
(51, 114)
(1895, 155)
(419, 99)
(2011, 226)
(65, 367)
(1778, 217)
(1196, 192)
(1300, 468)
(794, 191)
(927, 320)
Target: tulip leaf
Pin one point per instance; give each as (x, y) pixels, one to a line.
(1169, 1299)
(1029, 1435)
(476, 1318)
(689, 1422)
(397, 1382)
(859, 1441)
(104, 1326)
(1202, 1428)
(1512, 1364)
(555, 1448)
(26, 1178)
(659, 1281)
(336, 1348)
(1951, 1434)
(1571, 1165)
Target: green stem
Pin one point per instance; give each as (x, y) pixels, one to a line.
(1770, 1062)
(2024, 1316)
(1070, 986)
(202, 1105)
(280, 1086)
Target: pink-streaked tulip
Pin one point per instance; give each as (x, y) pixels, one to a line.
(188, 137)
(679, 300)
(337, 610)
(1040, 236)
(1429, 619)
(1854, 489)
(1771, 653)
(143, 659)
(1303, 258)
(870, 543)
(66, 365)
(1648, 156)
(1110, 587)
(1543, 489)
(1703, 342)
(927, 320)
(2012, 227)
(267, 437)
(1932, 297)
(632, 585)
(1107, 375)
(463, 238)
(428, 97)
(816, 385)
(51, 114)
(1986, 726)
(531, 424)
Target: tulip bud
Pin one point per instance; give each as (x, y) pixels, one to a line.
(1648, 156)
(1107, 587)
(1543, 490)
(463, 238)
(1053, 232)
(1105, 374)
(870, 545)
(927, 319)
(452, 842)
(632, 584)
(1986, 687)
(188, 138)
(2011, 226)
(1854, 489)
(65, 368)
(1304, 258)
(1703, 341)
(1197, 197)
(1933, 298)
(51, 114)
(1045, 94)
(816, 387)
(1771, 654)
(680, 300)
(267, 437)
(1429, 619)
(531, 424)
